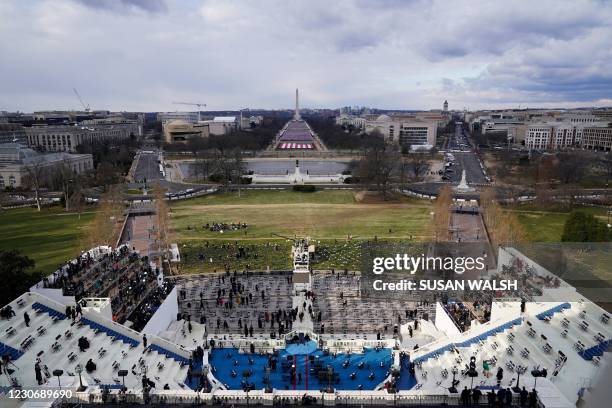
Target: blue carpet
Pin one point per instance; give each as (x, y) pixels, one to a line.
(226, 360)
(302, 349)
(406, 381)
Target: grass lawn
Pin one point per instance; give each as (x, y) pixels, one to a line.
(50, 237)
(249, 197)
(547, 225)
(328, 217)
(320, 215)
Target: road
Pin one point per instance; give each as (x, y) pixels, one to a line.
(462, 150)
(147, 170)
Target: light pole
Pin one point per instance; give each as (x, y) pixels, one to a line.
(79, 370)
(58, 373)
(519, 371)
(453, 389)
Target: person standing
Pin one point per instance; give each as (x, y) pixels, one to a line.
(500, 375)
(144, 341)
(486, 368)
(38, 372)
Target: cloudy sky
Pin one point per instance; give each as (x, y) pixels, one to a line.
(396, 54)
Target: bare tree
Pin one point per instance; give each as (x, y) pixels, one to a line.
(503, 226)
(196, 144)
(570, 167)
(103, 230)
(35, 180)
(442, 214)
(65, 179)
(417, 164)
(162, 214)
(77, 202)
(378, 167)
(238, 167)
(605, 163)
(204, 164)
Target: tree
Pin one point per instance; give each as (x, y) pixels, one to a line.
(103, 229)
(195, 144)
(162, 214)
(605, 163)
(16, 273)
(417, 163)
(378, 167)
(106, 174)
(570, 167)
(583, 227)
(65, 179)
(77, 202)
(238, 167)
(503, 226)
(35, 179)
(442, 214)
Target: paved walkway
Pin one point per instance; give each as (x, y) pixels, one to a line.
(306, 323)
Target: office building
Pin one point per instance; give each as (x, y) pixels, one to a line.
(12, 132)
(597, 138)
(16, 159)
(179, 131)
(66, 138)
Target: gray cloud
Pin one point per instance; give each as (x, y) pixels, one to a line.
(390, 54)
(151, 6)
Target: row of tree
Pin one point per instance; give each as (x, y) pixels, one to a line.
(383, 166)
(343, 137)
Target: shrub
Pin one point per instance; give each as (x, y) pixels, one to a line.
(305, 188)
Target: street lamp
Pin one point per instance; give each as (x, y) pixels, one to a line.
(79, 370)
(58, 373)
(453, 389)
(519, 371)
(123, 374)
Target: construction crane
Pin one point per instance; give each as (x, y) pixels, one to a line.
(86, 107)
(198, 104)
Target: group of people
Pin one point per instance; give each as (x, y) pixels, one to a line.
(239, 302)
(503, 397)
(222, 226)
(7, 312)
(460, 314)
(79, 276)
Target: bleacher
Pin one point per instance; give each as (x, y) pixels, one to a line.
(469, 342)
(12, 352)
(169, 354)
(98, 328)
(546, 315)
(55, 315)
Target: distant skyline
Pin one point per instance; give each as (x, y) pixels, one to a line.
(141, 55)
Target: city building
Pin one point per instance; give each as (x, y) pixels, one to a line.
(249, 122)
(66, 138)
(16, 159)
(445, 106)
(222, 125)
(179, 131)
(406, 130)
(189, 117)
(346, 119)
(597, 138)
(12, 132)
(562, 135)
